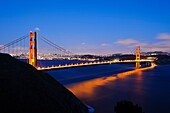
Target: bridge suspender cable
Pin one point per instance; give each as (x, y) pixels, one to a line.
(51, 45)
(54, 45)
(14, 42)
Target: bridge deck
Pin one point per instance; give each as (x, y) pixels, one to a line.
(89, 64)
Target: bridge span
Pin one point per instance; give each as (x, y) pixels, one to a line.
(66, 66)
(33, 53)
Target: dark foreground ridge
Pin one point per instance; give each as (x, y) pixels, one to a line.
(23, 89)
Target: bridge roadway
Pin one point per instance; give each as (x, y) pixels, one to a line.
(89, 64)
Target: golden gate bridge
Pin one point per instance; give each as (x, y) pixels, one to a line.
(19, 45)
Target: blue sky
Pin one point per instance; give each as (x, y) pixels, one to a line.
(90, 26)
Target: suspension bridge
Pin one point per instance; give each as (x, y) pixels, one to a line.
(30, 51)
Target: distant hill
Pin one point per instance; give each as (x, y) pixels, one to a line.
(23, 89)
(163, 59)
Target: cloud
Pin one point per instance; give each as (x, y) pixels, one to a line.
(104, 44)
(37, 29)
(126, 42)
(1, 45)
(163, 36)
(162, 44)
(94, 51)
(141, 44)
(83, 43)
(158, 46)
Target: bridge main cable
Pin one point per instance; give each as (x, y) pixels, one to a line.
(13, 42)
(54, 45)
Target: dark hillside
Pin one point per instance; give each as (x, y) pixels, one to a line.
(23, 89)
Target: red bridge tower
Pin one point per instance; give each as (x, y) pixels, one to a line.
(137, 57)
(33, 49)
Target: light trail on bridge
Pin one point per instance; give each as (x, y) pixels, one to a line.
(90, 64)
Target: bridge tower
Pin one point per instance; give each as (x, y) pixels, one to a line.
(137, 57)
(33, 49)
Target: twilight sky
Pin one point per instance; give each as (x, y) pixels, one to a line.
(90, 26)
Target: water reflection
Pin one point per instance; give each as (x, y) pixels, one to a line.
(87, 89)
(138, 82)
